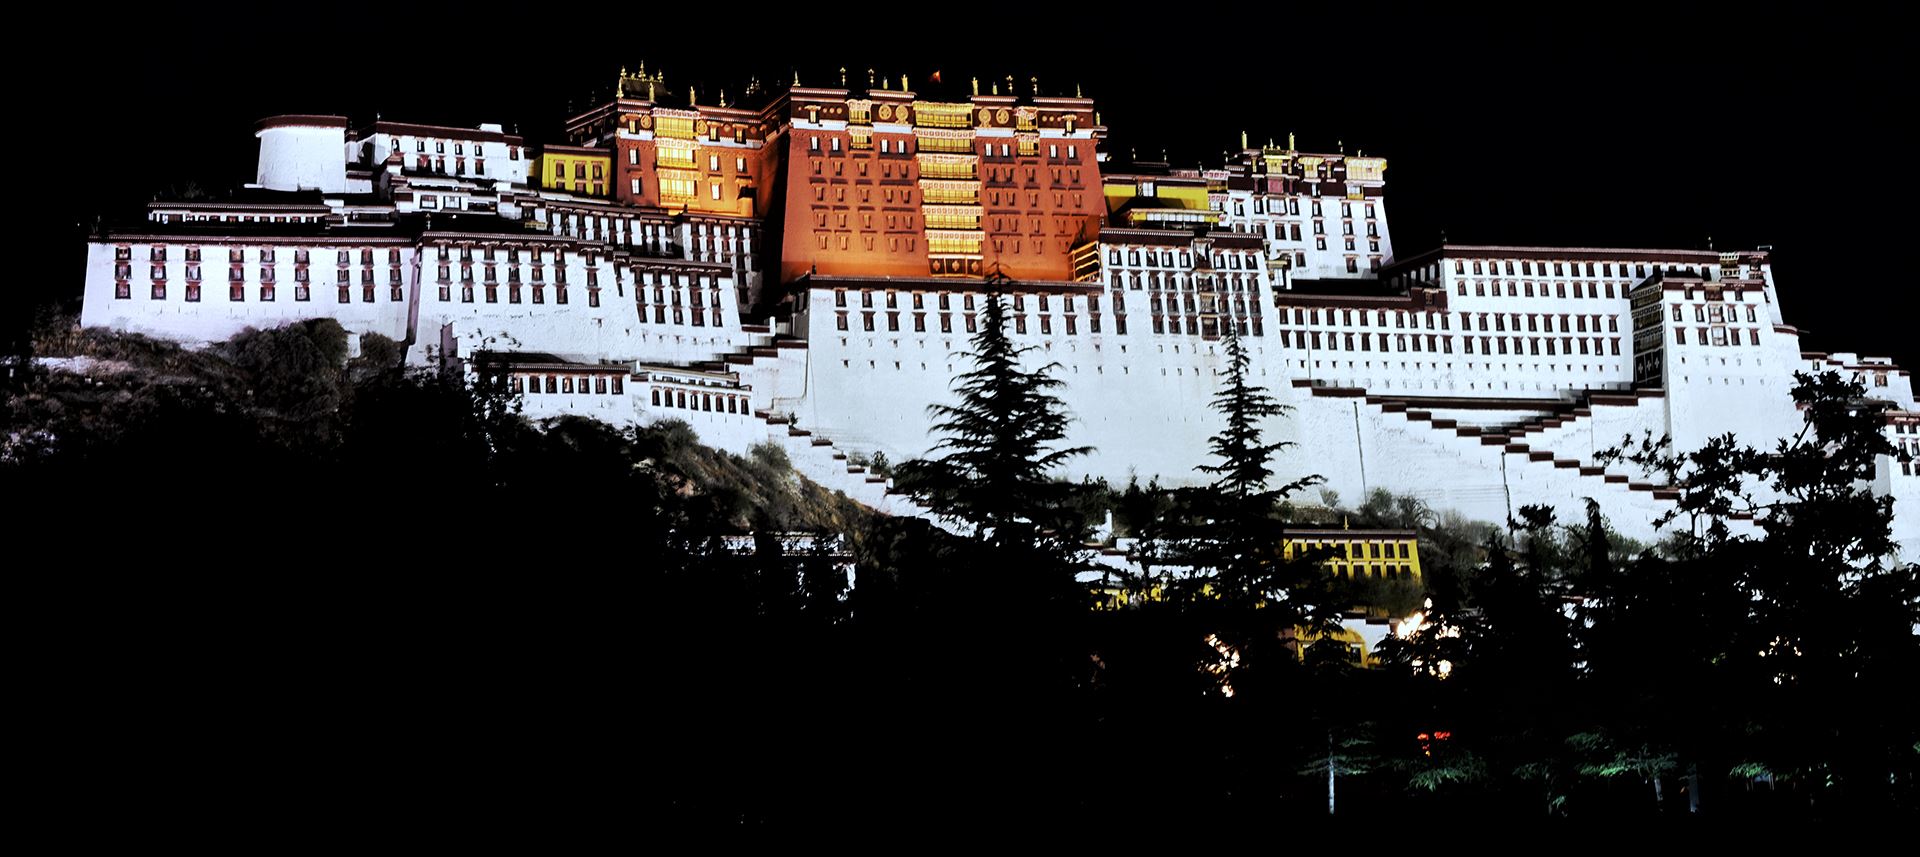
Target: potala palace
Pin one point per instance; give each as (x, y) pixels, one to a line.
(802, 264)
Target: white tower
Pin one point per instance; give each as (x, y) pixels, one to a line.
(303, 153)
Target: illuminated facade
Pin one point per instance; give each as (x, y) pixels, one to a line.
(673, 152)
(1366, 554)
(573, 169)
(893, 183)
(803, 265)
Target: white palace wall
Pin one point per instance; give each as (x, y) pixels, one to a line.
(1481, 378)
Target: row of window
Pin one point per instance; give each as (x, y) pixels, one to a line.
(1357, 549)
(491, 273)
(708, 239)
(237, 292)
(1280, 232)
(537, 255)
(1199, 305)
(1717, 313)
(238, 274)
(1207, 326)
(438, 165)
(1187, 283)
(969, 320)
(238, 218)
(1165, 259)
(713, 161)
(1392, 571)
(266, 255)
(664, 297)
(697, 317)
(696, 400)
(680, 127)
(601, 384)
(1528, 268)
(1068, 177)
(1535, 322)
(491, 293)
(1526, 289)
(1443, 344)
(1716, 336)
(891, 300)
(958, 145)
(1268, 205)
(459, 148)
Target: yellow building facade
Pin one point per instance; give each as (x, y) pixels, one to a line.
(1365, 554)
(573, 169)
(1360, 554)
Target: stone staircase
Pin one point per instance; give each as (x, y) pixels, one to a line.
(1528, 462)
(762, 351)
(814, 456)
(1540, 439)
(818, 459)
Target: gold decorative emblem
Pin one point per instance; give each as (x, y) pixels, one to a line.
(646, 122)
(1002, 116)
(700, 126)
(886, 111)
(986, 116)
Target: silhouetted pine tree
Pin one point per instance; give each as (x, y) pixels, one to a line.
(1002, 442)
(1244, 455)
(1233, 535)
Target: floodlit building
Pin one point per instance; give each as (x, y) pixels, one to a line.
(804, 263)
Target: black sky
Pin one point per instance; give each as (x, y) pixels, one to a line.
(1642, 129)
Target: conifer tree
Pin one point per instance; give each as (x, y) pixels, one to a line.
(1233, 536)
(1245, 457)
(1003, 440)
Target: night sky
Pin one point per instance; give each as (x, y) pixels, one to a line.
(1638, 131)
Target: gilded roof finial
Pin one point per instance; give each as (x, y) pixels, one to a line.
(903, 83)
(643, 68)
(796, 77)
(649, 89)
(1290, 146)
(976, 86)
(620, 86)
(1096, 117)
(843, 77)
(1036, 84)
(996, 89)
(869, 80)
(693, 97)
(1341, 145)
(1076, 90)
(723, 98)
(1010, 85)
(1243, 139)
